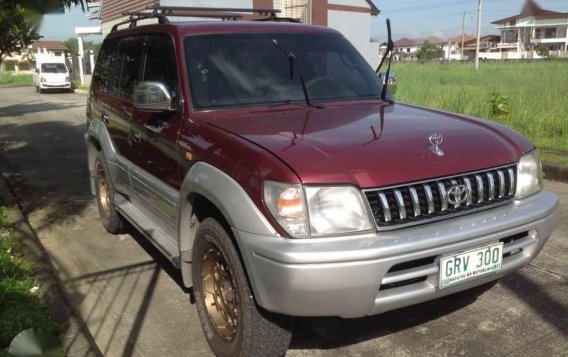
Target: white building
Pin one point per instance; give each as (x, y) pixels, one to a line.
(350, 17)
(38, 52)
(534, 26)
(406, 49)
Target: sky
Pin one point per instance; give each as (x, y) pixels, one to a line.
(409, 18)
(443, 18)
(62, 26)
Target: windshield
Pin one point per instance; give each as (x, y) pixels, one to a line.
(232, 70)
(53, 68)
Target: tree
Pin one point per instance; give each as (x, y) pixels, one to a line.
(429, 52)
(543, 51)
(73, 46)
(20, 19)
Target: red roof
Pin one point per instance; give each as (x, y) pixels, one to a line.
(50, 45)
(531, 8)
(408, 42)
(459, 38)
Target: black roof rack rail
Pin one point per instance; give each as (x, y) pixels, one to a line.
(170, 9)
(162, 12)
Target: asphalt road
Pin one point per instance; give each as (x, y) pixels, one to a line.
(133, 303)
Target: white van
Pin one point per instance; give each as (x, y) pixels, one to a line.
(52, 76)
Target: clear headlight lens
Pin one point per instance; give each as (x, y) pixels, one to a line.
(529, 175)
(335, 210)
(330, 210)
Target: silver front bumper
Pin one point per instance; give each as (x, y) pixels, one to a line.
(352, 276)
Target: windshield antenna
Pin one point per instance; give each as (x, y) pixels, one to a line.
(389, 50)
(294, 62)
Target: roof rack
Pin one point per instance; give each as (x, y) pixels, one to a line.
(226, 14)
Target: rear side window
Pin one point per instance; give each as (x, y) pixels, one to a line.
(103, 78)
(130, 52)
(161, 62)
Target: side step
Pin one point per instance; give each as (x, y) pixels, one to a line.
(156, 235)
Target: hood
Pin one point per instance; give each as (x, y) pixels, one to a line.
(375, 145)
(54, 77)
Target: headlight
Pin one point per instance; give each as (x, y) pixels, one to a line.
(335, 210)
(529, 175)
(67, 79)
(42, 79)
(329, 211)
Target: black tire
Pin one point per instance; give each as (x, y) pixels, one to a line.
(39, 90)
(257, 332)
(110, 218)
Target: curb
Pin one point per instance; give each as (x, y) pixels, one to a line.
(81, 91)
(555, 172)
(73, 332)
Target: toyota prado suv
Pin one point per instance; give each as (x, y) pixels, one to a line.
(262, 160)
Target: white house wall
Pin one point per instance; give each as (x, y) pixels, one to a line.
(356, 27)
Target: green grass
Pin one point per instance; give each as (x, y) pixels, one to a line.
(531, 97)
(9, 79)
(21, 307)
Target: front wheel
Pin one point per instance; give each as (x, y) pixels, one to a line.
(232, 322)
(110, 218)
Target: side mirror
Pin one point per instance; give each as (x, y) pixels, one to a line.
(393, 86)
(37, 70)
(152, 96)
(70, 70)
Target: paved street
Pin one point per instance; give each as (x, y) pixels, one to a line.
(133, 303)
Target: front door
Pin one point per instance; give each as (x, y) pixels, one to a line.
(155, 175)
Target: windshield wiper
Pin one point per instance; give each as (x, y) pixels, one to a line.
(389, 49)
(294, 62)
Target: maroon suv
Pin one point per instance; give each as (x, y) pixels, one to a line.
(259, 158)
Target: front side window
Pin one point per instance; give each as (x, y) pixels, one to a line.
(160, 64)
(245, 69)
(130, 52)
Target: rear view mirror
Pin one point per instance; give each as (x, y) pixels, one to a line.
(392, 81)
(152, 96)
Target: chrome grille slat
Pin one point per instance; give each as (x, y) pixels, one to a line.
(429, 198)
(501, 177)
(512, 183)
(400, 203)
(415, 201)
(443, 196)
(480, 189)
(418, 202)
(491, 186)
(467, 184)
(386, 209)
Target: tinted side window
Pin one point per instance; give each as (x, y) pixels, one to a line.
(103, 78)
(130, 51)
(161, 62)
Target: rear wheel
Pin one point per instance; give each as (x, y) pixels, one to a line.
(232, 322)
(110, 218)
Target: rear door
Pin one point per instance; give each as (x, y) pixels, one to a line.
(155, 176)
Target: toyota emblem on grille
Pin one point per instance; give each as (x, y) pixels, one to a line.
(458, 194)
(435, 141)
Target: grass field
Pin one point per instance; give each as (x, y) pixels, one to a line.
(21, 303)
(9, 79)
(531, 97)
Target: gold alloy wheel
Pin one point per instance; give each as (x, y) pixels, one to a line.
(104, 196)
(220, 294)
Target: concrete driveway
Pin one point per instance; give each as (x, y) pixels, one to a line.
(132, 300)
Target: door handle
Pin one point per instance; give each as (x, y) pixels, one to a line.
(106, 118)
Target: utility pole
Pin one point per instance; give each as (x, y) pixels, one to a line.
(479, 10)
(463, 35)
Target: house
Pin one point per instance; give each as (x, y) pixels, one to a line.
(38, 52)
(405, 49)
(350, 17)
(521, 34)
(455, 47)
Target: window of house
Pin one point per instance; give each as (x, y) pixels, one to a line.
(57, 53)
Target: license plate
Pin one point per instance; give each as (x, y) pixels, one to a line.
(470, 264)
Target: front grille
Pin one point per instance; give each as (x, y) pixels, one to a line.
(418, 202)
